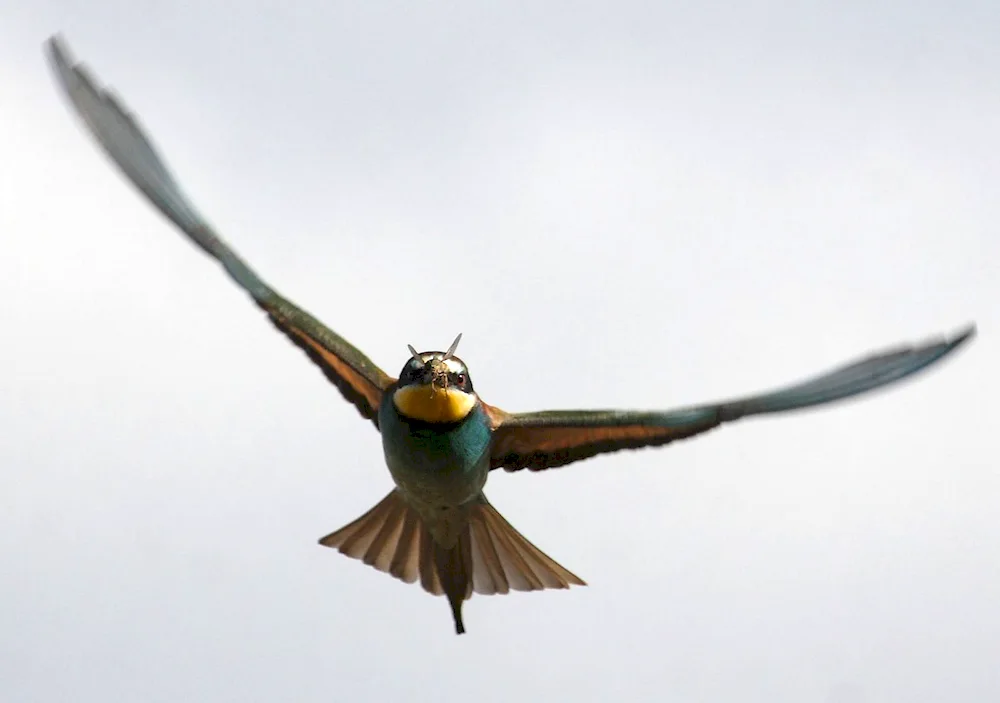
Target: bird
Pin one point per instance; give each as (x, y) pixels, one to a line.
(440, 439)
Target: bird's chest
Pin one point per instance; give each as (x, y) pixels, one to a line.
(432, 463)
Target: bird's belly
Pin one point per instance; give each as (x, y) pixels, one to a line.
(433, 481)
(436, 467)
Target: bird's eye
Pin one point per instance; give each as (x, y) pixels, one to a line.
(460, 378)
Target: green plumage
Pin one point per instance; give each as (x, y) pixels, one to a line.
(437, 526)
(436, 465)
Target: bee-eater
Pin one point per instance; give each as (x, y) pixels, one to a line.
(440, 439)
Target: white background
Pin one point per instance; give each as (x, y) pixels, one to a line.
(620, 204)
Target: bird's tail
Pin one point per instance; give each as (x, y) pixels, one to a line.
(490, 557)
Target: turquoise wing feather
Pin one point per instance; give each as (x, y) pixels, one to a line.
(544, 440)
(118, 132)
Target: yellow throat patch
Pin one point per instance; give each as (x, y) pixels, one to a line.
(430, 404)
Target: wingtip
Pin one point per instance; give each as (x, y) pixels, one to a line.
(970, 331)
(61, 60)
(966, 334)
(56, 48)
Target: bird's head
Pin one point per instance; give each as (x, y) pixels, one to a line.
(435, 387)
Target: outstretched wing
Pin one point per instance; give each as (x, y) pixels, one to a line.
(118, 132)
(544, 440)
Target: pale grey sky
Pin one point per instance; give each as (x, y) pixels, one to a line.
(620, 204)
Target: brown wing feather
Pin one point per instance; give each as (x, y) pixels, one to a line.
(522, 445)
(362, 384)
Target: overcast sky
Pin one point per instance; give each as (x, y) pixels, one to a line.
(620, 204)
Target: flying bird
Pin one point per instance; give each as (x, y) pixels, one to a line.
(439, 438)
